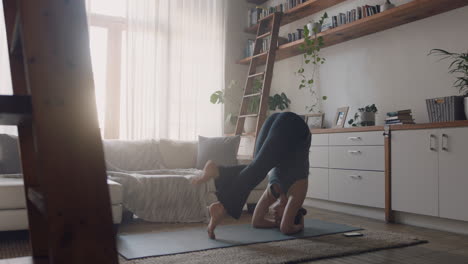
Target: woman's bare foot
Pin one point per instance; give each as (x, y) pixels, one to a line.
(217, 213)
(210, 171)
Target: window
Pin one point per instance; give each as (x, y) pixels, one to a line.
(106, 32)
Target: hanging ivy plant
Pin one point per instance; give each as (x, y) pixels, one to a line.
(311, 48)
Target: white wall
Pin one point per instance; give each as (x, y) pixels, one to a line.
(389, 68)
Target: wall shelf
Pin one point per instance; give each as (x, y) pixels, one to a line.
(300, 11)
(257, 2)
(403, 14)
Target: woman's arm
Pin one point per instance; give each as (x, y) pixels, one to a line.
(261, 210)
(296, 196)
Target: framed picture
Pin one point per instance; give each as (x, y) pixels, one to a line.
(314, 120)
(340, 117)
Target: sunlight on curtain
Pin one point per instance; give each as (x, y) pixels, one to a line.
(174, 61)
(5, 77)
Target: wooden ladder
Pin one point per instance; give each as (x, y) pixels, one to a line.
(268, 27)
(65, 183)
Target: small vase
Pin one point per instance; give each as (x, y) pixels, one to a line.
(466, 107)
(311, 26)
(318, 27)
(250, 124)
(386, 6)
(367, 118)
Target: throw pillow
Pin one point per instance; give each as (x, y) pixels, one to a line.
(10, 162)
(178, 154)
(221, 150)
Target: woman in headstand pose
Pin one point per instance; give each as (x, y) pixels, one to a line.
(282, 145)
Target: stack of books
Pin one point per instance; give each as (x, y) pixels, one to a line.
(401, 117)
(354, 14)
(257, 13)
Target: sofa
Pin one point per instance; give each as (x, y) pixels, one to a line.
(121, 156)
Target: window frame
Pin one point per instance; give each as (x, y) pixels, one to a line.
(116, 26)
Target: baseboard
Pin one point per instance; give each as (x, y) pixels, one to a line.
(364, 211)
(436, 223)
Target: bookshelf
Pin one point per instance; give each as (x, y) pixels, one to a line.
(257, 2)
(403, 14)
(300, 11)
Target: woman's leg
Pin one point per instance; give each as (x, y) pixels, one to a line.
(263, 134)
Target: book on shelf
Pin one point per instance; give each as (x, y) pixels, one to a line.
(399, 117)
(259, 12)
(354, 15)
(399, 121)
(249, 49)
(400, 112)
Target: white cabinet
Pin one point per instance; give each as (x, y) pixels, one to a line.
(358, 187)
(348, 168)
(414, 172)
(318, 183)
(318, 157)
(319, 140)
(357, 157)
(429, 172)
(373, 138)
(453, 173)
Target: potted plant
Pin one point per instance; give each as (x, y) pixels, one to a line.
(219, 97)
(311, 48)
(275, 102)
(458, 66)
(366, 116)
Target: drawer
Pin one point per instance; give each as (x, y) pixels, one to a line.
(357, 187)
(374, 138)
(318, 157)
(357, 157)
(318, 183)
(319, 140)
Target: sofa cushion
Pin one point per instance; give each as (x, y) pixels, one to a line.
(12, 193)
(9, 154)
(178, 154)
(221, 150)
(132, 155)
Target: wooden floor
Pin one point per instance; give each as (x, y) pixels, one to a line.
(443, 247)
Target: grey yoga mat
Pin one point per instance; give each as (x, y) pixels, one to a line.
(134, 246)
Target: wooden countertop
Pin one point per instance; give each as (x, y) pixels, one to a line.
(461, 123)
(347, 130)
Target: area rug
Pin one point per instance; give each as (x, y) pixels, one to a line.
(289, 251)
(140, 245)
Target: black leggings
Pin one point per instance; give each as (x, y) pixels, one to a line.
(280, 138)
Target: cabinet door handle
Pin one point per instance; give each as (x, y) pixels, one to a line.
(356, 177)
(445, 139)
(354, 138)
(354, 152)
(432, 138)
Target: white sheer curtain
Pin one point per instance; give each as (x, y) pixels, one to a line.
(174, 61)
(5, 77)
